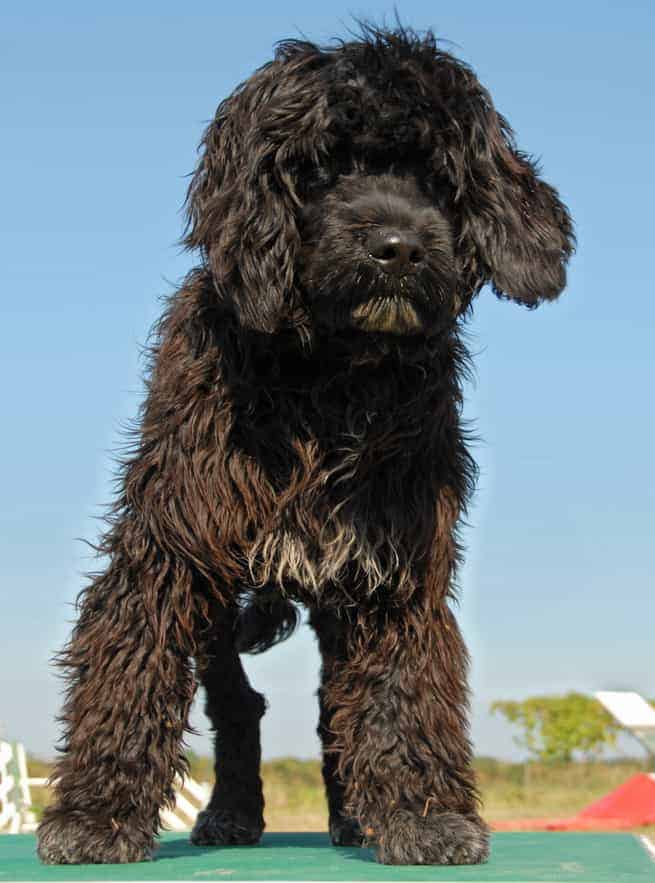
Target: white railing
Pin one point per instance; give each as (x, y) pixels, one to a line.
(16, 815)
(15, 799)
(190, 798)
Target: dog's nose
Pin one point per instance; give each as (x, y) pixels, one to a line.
(396, 251)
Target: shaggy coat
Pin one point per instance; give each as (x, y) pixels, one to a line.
(301, 443)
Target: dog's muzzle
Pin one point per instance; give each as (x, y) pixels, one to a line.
(397, 253)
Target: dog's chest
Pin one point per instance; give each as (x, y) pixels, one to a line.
(336, 521)
(341, 482)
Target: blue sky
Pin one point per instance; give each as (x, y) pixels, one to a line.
(101, 117)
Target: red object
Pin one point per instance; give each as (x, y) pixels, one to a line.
(628, 806)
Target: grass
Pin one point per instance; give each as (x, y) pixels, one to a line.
(293, 789)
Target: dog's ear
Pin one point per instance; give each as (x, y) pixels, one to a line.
(242, 201)
(516, 233)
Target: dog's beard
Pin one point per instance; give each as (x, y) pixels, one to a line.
(389, 315)
(365, 300)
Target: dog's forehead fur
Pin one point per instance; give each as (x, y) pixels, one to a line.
(398, 86)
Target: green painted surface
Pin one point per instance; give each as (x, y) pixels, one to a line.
(516, 858)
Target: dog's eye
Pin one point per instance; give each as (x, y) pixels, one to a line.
(312, 180)
(440, 191)
(348, 114)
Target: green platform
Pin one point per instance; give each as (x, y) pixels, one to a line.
(516, 858)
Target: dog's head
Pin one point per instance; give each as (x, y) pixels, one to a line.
(373, 187)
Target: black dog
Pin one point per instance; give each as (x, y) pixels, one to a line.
(301, 441)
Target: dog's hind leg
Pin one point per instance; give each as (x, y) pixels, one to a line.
(331, 632)
(234, 812)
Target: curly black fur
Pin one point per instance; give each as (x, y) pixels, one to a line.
(301, 442)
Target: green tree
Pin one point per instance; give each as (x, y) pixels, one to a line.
(554, 727)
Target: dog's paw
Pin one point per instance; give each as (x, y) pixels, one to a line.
(345, 832)
(220, 827)
(438, 839)
(76, 839)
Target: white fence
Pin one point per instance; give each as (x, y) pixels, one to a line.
(15, 800)
(190, 798)
(16, 815)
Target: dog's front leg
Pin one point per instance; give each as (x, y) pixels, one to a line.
(400, 724)
(130, 685)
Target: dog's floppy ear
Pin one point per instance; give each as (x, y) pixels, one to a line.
(518, 233)
(242, 201)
